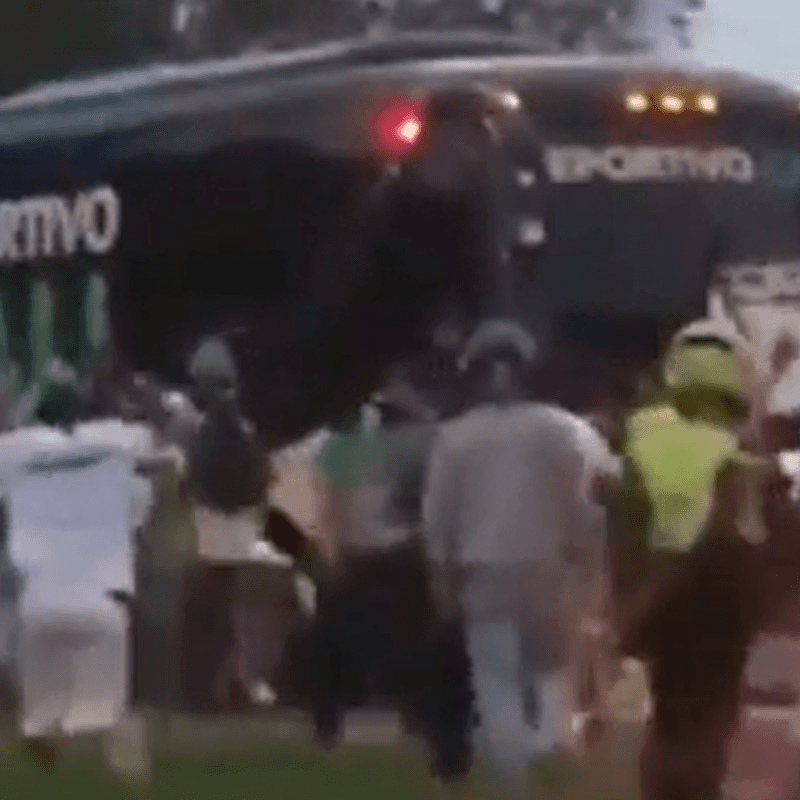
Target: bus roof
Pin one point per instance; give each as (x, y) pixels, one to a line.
(403, 47)
(128, 98)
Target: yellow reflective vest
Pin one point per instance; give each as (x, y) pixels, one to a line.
(678, 461)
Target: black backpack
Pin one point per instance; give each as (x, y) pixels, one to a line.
(228, 470)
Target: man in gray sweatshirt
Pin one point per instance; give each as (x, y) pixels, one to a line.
(509, 515)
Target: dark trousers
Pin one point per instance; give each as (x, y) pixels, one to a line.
(207, 634)
(694, 628)
(377, 640)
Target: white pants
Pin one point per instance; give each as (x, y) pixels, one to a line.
(74, 672)
(126, 747)
(522, 710)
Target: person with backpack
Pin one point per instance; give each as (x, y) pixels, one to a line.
(227, 475)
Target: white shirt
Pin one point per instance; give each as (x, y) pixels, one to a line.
(70, 506)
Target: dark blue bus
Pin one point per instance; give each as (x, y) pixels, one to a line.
(325, 209)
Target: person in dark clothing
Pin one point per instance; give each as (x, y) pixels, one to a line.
(227, 468)
(377, 637)
(227, 475)
(696, 638)
(689, 550)
(11, 586)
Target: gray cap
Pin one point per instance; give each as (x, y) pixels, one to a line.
(496, 335)
(213, 362)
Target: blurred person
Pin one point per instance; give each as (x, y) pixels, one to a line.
(350, 472)
(507, 513)
(376, 636)
(165, 539)
(767, 430)
(210, 479)
(227, 469)
(11, 585)
(226, 483)
(68, 498)
(203, 519)
(429, 673)
(7, 411)
(689, 524)
(352, 469)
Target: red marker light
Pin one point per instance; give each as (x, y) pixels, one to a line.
(398, 127)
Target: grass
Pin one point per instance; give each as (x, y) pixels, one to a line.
(296, 771)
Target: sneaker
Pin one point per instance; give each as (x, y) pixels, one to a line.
(262, 694)
(126, 748)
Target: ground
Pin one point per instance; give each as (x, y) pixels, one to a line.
(202, 762)
(234, 760)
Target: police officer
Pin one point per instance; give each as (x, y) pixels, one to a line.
(686, 550)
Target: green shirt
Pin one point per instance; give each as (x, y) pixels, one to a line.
(349, 459)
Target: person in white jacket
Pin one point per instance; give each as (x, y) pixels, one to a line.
(507, 515)
(70, 498)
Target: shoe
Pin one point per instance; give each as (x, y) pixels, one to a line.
(262, 694)
(327, 733)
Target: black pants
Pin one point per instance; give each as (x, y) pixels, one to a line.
(208, 633)
(377, 640)
(695, 634)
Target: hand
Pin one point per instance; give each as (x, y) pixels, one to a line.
(604, 488)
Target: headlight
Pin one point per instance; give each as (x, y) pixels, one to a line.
(637, 102)
(672, 103)
(707, 103)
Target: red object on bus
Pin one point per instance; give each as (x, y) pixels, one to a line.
(398, 127)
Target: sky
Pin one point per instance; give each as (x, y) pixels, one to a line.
(751, 36)
(754, 36)
(757, 36)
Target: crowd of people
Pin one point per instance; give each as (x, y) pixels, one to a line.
(532, 532)
(460, 562)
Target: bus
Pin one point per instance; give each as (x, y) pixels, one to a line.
(326, 208)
